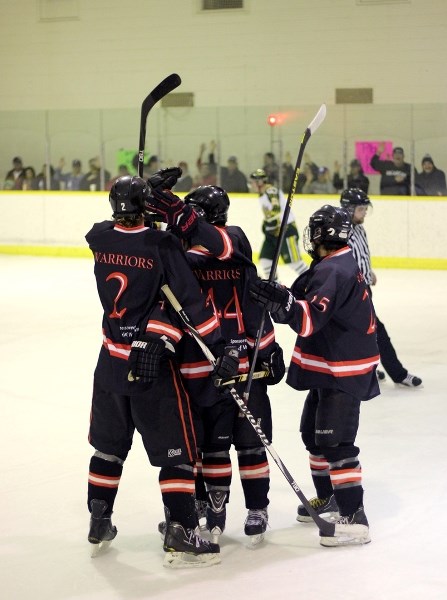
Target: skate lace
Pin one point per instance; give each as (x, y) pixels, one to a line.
(344, 520)
(256, 516)
(318, 502)
(196, 540)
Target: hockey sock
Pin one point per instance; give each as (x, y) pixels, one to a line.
(177, 486)
(200, 482)
(216, 469)
(255, 476)
(103, 480)
(346, 477)
(319, 468)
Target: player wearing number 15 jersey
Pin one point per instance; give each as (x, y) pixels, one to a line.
(335, 358)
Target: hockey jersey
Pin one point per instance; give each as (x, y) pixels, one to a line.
(334, 317)
(131, 265)
(220, 258)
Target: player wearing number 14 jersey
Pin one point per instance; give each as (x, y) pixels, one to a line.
(220, 258)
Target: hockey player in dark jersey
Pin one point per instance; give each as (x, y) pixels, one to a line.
(220, 257)
(335, 358)
(137, 384)
(357, 203)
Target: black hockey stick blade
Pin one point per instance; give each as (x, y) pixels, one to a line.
(326, 528)
(308, 132)
(160, 91)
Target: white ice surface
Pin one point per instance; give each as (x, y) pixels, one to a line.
(50, 337)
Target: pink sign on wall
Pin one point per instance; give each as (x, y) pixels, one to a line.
(364, 151)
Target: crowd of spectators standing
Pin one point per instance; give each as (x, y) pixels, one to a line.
(396, 175)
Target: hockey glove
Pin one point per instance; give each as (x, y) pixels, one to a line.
(274, 364)
(165, 179)
(227, 364)
(145, 356)
(180, 217)
(276, 298)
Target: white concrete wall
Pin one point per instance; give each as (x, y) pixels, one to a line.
(284, 52)
(402, 232)
(105, 55)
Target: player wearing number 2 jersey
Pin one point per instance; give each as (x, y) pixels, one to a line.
(137, 384)
(335, 358)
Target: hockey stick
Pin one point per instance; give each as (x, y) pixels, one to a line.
(238, 378)
(163, 88)
(326, 528)
(313, 126)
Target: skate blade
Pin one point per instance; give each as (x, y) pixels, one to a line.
(345, 540)
(184, 560)
(254, 540)
(330, 517)
(101, 548)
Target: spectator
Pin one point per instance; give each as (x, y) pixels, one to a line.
(184, 182)
(430, 181)
(288, 173)
(92, 179)
(42, 179)
(232, 179)
(122, 171)
(322, 185)
(395, 174)
(72, 179)
(13, 178)
(207, 170)
(152, 166)
(271, 168)
(356, 178)
(29, 181)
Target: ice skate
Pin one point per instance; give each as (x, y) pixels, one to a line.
(185, 548)
(326, 508)
(349, 530)
(201, 506)
(255, 525)
(216, 514)
(411, 381)
(102, 532)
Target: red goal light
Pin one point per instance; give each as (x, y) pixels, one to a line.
(272, 120)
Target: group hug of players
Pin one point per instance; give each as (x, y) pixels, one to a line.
(152, 376)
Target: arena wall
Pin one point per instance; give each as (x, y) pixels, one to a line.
(403, 232)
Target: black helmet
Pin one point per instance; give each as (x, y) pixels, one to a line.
(330, 226)
(354, 197)
(259, 174)
(210, 202)
(128, 195)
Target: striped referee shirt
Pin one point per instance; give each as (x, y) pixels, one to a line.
(358, 243)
